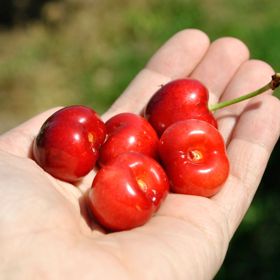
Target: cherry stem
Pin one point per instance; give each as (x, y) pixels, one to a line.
(273, 84)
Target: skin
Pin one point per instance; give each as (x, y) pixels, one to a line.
(43, 231)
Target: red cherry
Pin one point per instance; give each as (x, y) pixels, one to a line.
(178, 100)
(68, 143)
(194, 156)
(88, 118)
(128, 132)
(126, 192)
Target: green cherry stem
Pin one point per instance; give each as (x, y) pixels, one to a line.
(272, 85)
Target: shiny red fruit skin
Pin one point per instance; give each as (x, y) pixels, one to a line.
(194, 156)
(178, 100)
(85, 116)
(127, 132)
(68, 143)
(127, 192)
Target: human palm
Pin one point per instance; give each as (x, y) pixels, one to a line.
(45, 229)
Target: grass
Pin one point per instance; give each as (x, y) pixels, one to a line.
(84, 52)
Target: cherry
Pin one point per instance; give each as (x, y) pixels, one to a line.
(128, 132)
(68, 142)
(178, 100)
(131, 185)
(194, 156)
(127, 191)
(183, 99)
(88, 118)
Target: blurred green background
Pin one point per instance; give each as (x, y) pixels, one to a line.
(85, 52)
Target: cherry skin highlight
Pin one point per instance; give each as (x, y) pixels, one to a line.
(128, 132)
(194, 156)
(87, 118)
(68, 143)
(178, 100)
(127, 191)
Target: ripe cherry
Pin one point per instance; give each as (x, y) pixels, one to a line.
(127, 191)
(184, 99)
(194, 156)
(128, 132)
(178, 100)
(68, 142)
(87, 118)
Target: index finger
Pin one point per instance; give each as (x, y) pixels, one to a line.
(176, 58)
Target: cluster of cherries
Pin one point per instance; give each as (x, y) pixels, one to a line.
(175, 146)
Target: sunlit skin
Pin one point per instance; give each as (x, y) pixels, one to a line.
(127, 191)
(68, 143)
(179, 100)
(128, 132)
(194, 155)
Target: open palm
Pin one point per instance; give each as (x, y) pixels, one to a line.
(45, 232)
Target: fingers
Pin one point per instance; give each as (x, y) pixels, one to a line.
(176, 58)
(186, 52)
(220, 63)
(250, 76)
(249, 149)
(18, 141)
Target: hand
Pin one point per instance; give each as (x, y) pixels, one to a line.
(45, 233)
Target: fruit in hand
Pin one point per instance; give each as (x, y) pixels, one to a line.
(178, 100)
(131, 185)
(68, 142)
(194, 157)
(128, 132)
(127, 191)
